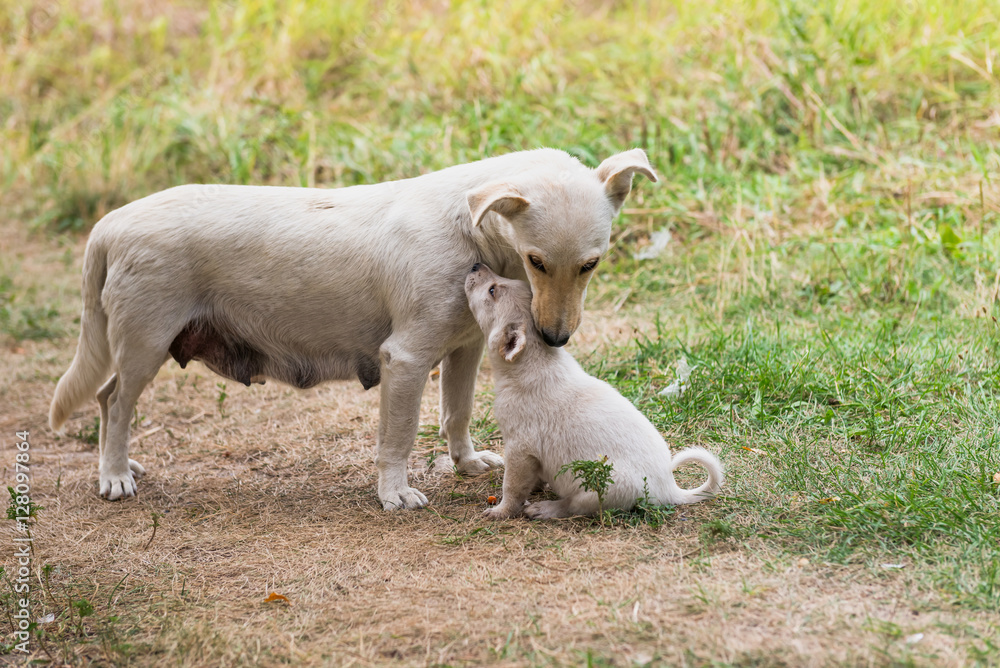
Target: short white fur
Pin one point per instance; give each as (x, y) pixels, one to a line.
(551, 413)
(314, 285)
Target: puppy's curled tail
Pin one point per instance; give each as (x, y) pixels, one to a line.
(711, 486)
(93, 354)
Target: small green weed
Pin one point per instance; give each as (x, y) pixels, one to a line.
(220, 399)
(90, 433)
(594, 476)
(645, 512)
(21, 508)
(431, 457)
(68, 616)
(432, 431)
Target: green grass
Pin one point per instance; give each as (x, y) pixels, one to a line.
(872, 414)
(21, 318)
(118, 100)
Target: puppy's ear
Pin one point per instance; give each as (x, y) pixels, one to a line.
(509, 341)
(616, 174)
(500, 197)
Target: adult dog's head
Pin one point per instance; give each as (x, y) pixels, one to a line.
(560, 226)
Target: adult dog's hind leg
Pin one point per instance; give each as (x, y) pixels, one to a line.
(103, 395)
(458, 385)
(102, 400)
(118, 473)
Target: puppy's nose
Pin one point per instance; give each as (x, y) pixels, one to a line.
(475, 268)
(553, 341)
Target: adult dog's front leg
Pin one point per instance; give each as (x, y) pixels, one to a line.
(404, 375)
(458, 385)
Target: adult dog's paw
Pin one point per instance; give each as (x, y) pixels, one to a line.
(479, 462)
(405, 498)
(137, 470)
(120, 486)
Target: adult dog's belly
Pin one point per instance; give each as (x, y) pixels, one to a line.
(241, 359)
(296, 340)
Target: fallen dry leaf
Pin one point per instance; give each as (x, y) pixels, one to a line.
(757, 451)
(275, 596)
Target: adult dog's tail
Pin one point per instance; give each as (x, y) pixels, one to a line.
(93, 354)
(706, 491)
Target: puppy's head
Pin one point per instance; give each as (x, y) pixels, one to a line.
(502, 308)
(558, 217)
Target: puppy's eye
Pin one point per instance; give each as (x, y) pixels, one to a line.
(536, 263)
(588, 267)
(493, 291)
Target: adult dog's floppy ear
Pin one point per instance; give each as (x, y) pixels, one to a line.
(509, 341)
(500, 197)
(616, 174)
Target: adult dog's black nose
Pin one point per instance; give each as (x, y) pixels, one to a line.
(475, 268)
(554, 342)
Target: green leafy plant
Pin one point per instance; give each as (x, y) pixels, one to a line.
(645, 511)
(221, 398)
(16, 503)
(90, 433)
(594, 476)
(431, 432)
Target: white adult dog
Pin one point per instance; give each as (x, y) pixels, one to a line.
(552, 413)
(305, 285)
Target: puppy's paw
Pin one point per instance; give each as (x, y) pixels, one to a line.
(405, 498)
(120, 486)
(545, 510)
(479, 462)
(502, 512)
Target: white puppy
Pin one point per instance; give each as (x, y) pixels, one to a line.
(551, 413)
(304, 285)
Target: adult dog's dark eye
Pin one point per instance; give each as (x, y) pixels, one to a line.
(588, 267)
(493, 291)
(536, 263)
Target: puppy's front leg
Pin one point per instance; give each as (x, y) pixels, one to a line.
(458, 385)
(404, 374)
(519, 478)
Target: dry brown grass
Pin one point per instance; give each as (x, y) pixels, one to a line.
(279, 495)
